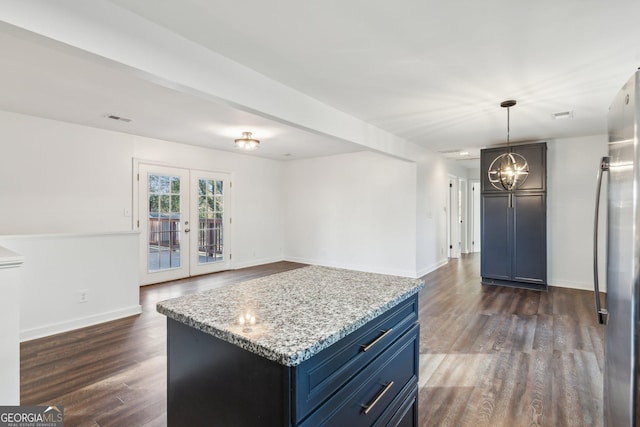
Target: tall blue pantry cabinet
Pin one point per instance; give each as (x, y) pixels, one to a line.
(514, 223)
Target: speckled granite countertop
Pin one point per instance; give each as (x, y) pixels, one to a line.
(289, 317)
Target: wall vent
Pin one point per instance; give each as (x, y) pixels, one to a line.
(119, 118)
(562, 115)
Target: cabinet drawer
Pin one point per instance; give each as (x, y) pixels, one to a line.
(406, 414)
(318, 378)
(371, 394)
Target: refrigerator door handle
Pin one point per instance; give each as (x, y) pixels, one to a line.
(602, 313)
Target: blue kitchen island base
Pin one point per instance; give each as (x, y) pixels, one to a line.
(309, 347)
(214, 383)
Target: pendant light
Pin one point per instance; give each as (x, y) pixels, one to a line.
(509, 170)
(247, 143)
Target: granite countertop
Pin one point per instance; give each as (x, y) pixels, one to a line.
(289, 317)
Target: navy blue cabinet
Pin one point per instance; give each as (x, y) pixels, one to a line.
(513, 223)
(370, 377)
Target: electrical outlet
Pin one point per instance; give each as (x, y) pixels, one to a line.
(83, 295)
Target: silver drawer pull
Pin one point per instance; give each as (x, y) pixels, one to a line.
(366, 347)
(367, 408)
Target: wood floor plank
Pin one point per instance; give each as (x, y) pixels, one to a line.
(543, 338)
(490, 356)
(537, 344)
(444, 406)
(539, 395)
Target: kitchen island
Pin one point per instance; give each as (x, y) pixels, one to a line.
(306, 347)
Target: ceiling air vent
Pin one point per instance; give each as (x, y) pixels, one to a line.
(114, 117)
(562, 115)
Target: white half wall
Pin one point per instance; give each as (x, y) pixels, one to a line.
(59, 267)
(10, 281)
(572, 164)
(355, 211)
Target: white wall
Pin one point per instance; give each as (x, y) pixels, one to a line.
(354, 211)
(59, 177)
(572, 164)
(432, 194)
(62, 182)
(364, 210)
(58, 266)
(62, 178)
(348, 235)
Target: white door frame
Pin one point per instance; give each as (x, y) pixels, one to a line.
(462, 216)
(453, 226)
(137, 163)
(182, 270)
(474, 216)
(197, 267)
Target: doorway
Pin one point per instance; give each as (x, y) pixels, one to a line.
(475, 216)
(453, 220)
(184, 222)
(463, 240)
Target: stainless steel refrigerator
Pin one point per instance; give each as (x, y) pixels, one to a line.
(620, 310)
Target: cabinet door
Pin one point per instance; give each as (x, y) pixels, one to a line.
(487, 156)
(496, 236)
(530, 243)
(536, 155)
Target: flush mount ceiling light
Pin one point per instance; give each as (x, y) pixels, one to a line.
(247, 143)
(509, 170)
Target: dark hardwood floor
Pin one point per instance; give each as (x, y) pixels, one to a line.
(490, 356)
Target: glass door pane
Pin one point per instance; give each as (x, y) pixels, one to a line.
(164, 223)
(210, 226)
(210, 192)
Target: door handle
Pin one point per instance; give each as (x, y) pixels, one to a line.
(186, 230)
(367, 347)
(602, 313)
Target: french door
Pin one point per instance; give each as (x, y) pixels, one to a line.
(184, 222)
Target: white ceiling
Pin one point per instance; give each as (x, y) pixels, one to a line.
(431, 72)
(46, 79)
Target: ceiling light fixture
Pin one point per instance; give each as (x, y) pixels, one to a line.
(247, 143)
(509, 170)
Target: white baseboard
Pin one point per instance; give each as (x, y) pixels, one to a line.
(254, 262)
(434, 267)
(575, 285)
(30, 334)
